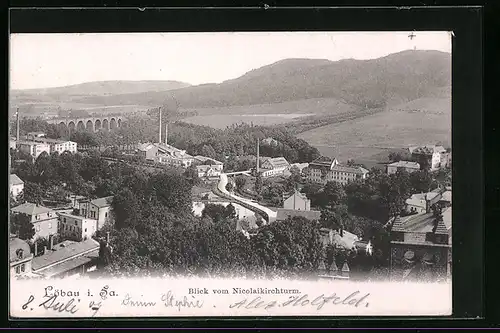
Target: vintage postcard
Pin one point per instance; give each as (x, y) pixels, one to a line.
(230, 174)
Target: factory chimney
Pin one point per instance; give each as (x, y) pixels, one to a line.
(17, 125)
(159, 133)
(258, 158)
(166, 133)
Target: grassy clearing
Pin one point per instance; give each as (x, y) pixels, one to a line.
(371, 138)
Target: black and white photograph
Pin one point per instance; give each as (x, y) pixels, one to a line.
(244, 172)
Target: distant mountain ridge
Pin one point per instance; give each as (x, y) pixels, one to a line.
(402, 76)
(99, 88)
(393, 79)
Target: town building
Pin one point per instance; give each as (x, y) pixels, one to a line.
(98, 209)
(35, 135)
(75, 227)
(44, 219)
(325, 169)
(33, 148)
(16, 185)
(274, 166)
(164, 154)
(297, 201)
(284, 214)
(148, 151)
(421, 247)
(20, 257)
(300, 166)
(59, 146)
(67, 258)
(402, 165)
(430, 157)
(422, 202)
(207, 167)
(270, 141)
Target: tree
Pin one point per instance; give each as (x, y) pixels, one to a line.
(191, 174)
(33, 193)
(240, 182)
(20, 224)
(258, 183)
(219, 213)
(422, 181)
(333, 194)
(126, 209)
(229, 187)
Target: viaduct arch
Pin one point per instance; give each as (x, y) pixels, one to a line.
(91, 124)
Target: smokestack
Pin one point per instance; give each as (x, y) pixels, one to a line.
(166, 133)
(36, 248)
(258, 158)
(51, 242)
(44, 250)
(159, 133)
(17, 125)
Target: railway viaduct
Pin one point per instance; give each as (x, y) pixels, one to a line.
(92, 124)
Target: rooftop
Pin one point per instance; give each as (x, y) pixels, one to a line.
(15, 180)
(64, 251)
(423, 223)
(16, 244)
(427, 150)
(206, 160)
(284, 214)
(298, 194)
(48, 140)
(405, 164)
(30, 143)
(323, 161)
(102, 202)
(66, 214)
(278, 162)
(31, 209)
(348, 169)
(68, 265)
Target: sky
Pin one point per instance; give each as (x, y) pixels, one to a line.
(55, 60)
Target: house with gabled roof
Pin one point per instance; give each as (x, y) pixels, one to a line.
(421, 246)
(44, 219)
(274, 166)
(297, 201)
(98, 209)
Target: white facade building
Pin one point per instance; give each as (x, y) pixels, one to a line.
(76, 228)
(33, 148)
(16, 185)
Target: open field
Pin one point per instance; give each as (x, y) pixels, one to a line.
(267, 114)
(371, 138)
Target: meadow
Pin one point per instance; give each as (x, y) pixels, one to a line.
(424, 121)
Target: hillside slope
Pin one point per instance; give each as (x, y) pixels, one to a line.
(422, 121)
(97, 88)
(396, 78)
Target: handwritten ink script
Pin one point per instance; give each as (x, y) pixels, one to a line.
(85, 304)
(355, 299)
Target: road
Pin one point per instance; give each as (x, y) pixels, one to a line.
(222, 187)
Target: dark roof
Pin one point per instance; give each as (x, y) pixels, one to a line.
(284, 214)
(348, 169)
(322, 161)
(64, 251)
(71, 264)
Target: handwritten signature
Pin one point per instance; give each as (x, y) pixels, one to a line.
(355, 299)
(169, 300)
